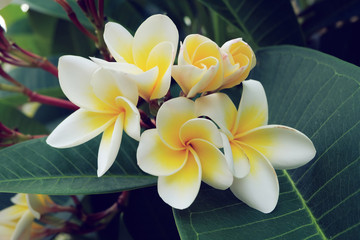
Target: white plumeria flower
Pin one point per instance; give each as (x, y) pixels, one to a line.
(4, 3)
(182, 151)
(147, 57)
(253, 148)
(200, 66)
(107, 104)
(17, 221)
(238, 59)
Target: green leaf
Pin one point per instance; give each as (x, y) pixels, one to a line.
(260, 23)
(35, 167)
(13, 118)
(54, 9)
(318, 95)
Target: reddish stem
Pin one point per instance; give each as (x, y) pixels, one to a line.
(71, 14)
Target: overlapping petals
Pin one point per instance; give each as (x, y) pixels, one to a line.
(200, 66)
(17, 221)
(239, 59)
(107, 104)
(252, 147)
(182, 151)
(151, 51)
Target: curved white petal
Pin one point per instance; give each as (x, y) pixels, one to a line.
(117, 66)
(220, 108)
(260, 188)
(171, 116)
(119, 42)
(180, 189)
(215, 171)
(79, 127)
(162, 57)
(200, 128)
(253, 108)
(75, 74)
(131, 117)
(187, 76)
(156, 158)
(38, 204)
(110, 145)
(145, 81)
(19, 199)
(11, 214)
(23, 227)
(157, 28)
(108, 85)
(241, 162)
(284, 147)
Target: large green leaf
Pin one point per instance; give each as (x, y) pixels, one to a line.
(318, 95)
(260, 22)
(35, 167)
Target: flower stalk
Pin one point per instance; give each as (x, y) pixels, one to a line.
(9, 137)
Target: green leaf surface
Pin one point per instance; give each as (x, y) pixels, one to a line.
(13, 118)
(318, 95)
(261, 23)
(35, 167)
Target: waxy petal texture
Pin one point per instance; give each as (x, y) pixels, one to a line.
(259, 189)
(119, 41)
(154, 30)
(253, 108)
(170, 118)
(23, 227)
(179, 190)
(284, 147)
(110, 145)
(79, 127)
(215, 171)
(74, 76)
(156, 158)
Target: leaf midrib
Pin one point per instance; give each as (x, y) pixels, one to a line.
(305, 205)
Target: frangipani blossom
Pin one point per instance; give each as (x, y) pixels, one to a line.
(147, 57)
(182, 151)
(17, 221)
(253, 148)
(107, 104)
(238, 59)
(200, 66)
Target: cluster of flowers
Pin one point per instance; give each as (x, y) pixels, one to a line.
(18, 220)
(184, 148)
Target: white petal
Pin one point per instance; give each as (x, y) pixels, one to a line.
(108, 85)
(215, 171)
(154, 30)
(119, 42)
(284, 147)
(79, 127)
(170, 118)
(118, 66)
(253, 108)
(19, 199)
(145, 81)
(180, 189)
(161, 56)
(74, 76)
(241, 162)
(156, 158)
(220, 108)
(187, 76)
(131, 118)
(38, 204)
(110, 145)
(260, 188)
(200, 128)
(23, 228)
